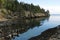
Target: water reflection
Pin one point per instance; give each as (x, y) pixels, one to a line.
(8, 32)
(32, 31)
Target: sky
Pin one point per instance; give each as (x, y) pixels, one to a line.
(52, 5)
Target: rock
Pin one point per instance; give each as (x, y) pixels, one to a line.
(58, 36)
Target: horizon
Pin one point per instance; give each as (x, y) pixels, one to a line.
(51, 5)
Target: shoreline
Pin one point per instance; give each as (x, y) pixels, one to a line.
(50, 34)
(34, 17)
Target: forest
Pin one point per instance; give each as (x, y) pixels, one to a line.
(15, 8)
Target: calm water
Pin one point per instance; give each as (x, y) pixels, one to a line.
(25, 29)
(35, 27)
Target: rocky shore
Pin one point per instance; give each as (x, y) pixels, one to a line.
(50, 34)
